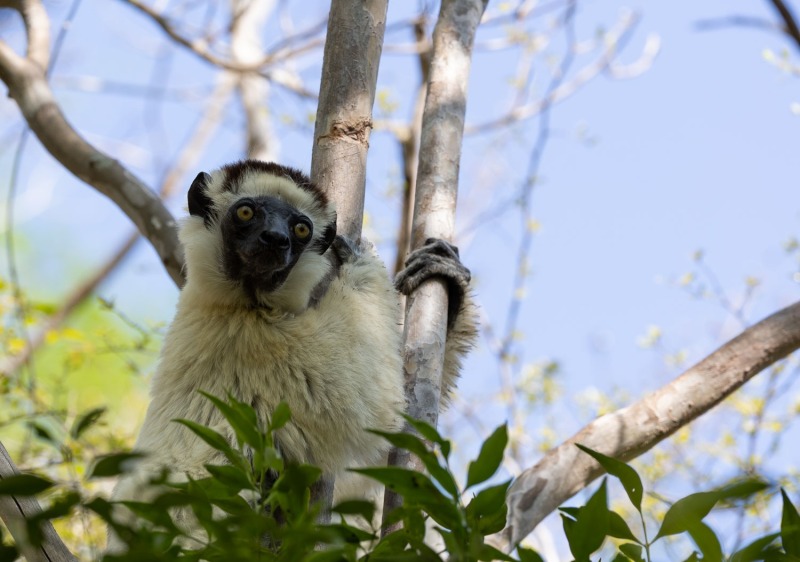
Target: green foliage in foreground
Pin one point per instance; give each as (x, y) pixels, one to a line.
(257, 507)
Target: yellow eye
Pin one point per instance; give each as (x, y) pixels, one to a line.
(301, 230)
(245, 213)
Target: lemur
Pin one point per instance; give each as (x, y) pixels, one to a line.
(278, 308)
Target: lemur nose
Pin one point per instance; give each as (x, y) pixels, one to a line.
(275, 239)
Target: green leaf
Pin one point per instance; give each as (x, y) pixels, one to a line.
(47, 434)
(241, 417)
(216, 441)
(627, 475)
(528, 555)
(24, 485)
(489, 458)
(419, 448)
(706, 540)
(113, 465)
(755, 550)
(790, 527)
(488, 501)
(365, 509)
(59, 507)
(487, 511)
(591, 526)
(280, 416)
(618, 528)
(231, 476)
(682, 513)
(417, 489)
(742, 489)
(429, 432)
(632, 551)
(85, 421)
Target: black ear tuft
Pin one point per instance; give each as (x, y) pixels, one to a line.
(328, 235)
(200, 204)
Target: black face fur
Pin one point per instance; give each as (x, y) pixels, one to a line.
(260, 252)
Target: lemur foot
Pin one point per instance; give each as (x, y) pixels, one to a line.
(436, 258)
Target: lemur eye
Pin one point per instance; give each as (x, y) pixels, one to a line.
(245, 213)
(301, 230)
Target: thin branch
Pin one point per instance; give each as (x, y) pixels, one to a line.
(630, 431)
(200, 47)
(409, 148)
(613, 41)
(246, 47)
(28, 86)
(735, 21)
(789, 21)
(434, 212)
(185, 161)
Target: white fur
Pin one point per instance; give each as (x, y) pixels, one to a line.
(338, 364)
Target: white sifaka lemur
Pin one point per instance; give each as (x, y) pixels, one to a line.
(278, 308)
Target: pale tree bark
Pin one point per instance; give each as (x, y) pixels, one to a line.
(630, 431)
(344, 119)
(344, 114)
(434, 210)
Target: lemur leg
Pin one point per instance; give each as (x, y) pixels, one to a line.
(438, 258)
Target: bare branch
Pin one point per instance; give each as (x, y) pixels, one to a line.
(789, 21)
(344, 114)
(409, 147)
(14, 511)
(434, 210)
(28, 86)
(632, 430)
(528, 110)
(246, 48)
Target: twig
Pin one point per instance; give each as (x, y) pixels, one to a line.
(789, 21)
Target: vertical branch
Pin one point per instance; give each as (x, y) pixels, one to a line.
(344, 118)
(344, 115)
(246, 28)
(434, 209)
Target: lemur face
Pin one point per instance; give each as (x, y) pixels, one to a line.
(263, 237)
(264, 229)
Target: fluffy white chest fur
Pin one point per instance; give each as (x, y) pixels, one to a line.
(337, 365)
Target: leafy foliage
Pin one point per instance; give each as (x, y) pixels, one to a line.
(258, 506)
(587, 527)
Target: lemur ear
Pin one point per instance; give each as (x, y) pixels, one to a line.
(200, 204)
(328, 235)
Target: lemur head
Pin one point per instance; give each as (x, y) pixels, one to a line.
(256, 235)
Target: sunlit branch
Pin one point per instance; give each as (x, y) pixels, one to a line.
(630, 431)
